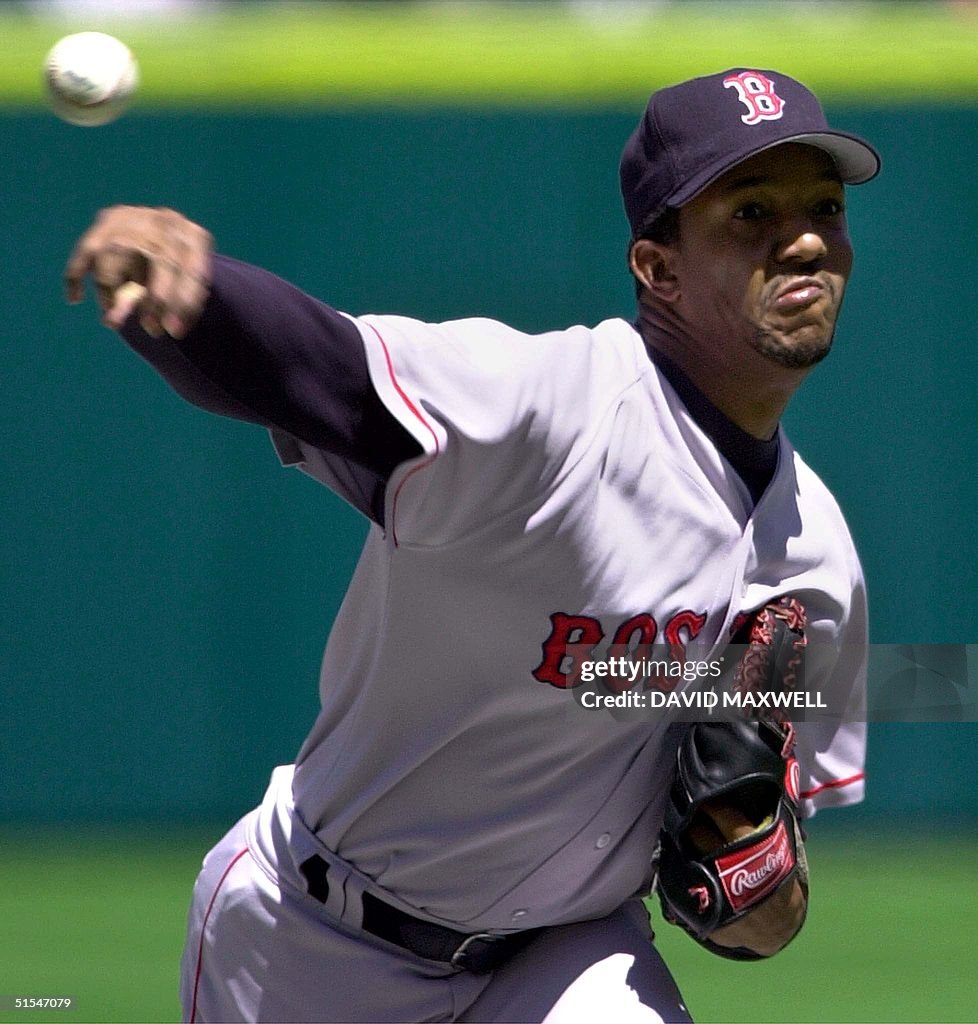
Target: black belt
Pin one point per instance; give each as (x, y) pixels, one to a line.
(478, 953)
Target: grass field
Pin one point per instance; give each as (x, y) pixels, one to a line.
(516, 53)
(890, 935)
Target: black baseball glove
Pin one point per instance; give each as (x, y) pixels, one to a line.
(706, 881)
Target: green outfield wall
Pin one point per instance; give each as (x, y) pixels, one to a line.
(167, 587)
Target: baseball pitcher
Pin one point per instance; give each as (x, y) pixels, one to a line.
(458, 839)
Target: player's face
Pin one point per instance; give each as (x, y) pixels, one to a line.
(764, 256)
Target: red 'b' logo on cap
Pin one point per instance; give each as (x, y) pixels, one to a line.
(756, 92)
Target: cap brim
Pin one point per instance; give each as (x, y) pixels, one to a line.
(857, 161)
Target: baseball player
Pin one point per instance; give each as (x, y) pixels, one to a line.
(458, 839)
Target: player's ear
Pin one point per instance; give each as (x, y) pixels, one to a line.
(652, 264)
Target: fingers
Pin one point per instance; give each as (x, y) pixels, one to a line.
(178, 275)
(158, 302)
(123, 303)
(179, 280)
(157, 249)
(189, 294)
(114, 268)
(109, 252)
(78, 265)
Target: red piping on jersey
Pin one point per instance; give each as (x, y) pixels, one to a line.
(414, 409)
(834, 784)
(203, 929)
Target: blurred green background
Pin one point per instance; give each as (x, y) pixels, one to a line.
(167, 587)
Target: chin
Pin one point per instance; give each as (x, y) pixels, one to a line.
(799, 351)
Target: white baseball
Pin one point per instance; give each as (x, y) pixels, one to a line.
(90, 78)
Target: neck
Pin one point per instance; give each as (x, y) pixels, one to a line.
(747, 387)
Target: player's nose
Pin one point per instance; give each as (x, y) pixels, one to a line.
(801, 242)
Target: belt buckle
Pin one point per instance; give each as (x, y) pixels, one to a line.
(466, 958)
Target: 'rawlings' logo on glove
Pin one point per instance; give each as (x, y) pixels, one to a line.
(748, 875)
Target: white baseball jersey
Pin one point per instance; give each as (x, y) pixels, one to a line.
(562, 484)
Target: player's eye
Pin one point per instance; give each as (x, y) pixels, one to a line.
(750, 211)
(829, 207)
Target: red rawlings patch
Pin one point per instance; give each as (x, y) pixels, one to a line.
(748, 875)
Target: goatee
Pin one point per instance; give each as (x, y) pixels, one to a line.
(797, 356)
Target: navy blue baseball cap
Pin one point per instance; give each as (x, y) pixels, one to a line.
(693, 132)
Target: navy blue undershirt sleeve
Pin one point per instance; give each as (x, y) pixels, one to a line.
(266, 352)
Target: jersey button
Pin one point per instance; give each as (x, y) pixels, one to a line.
(603, 840)
(517, 914)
